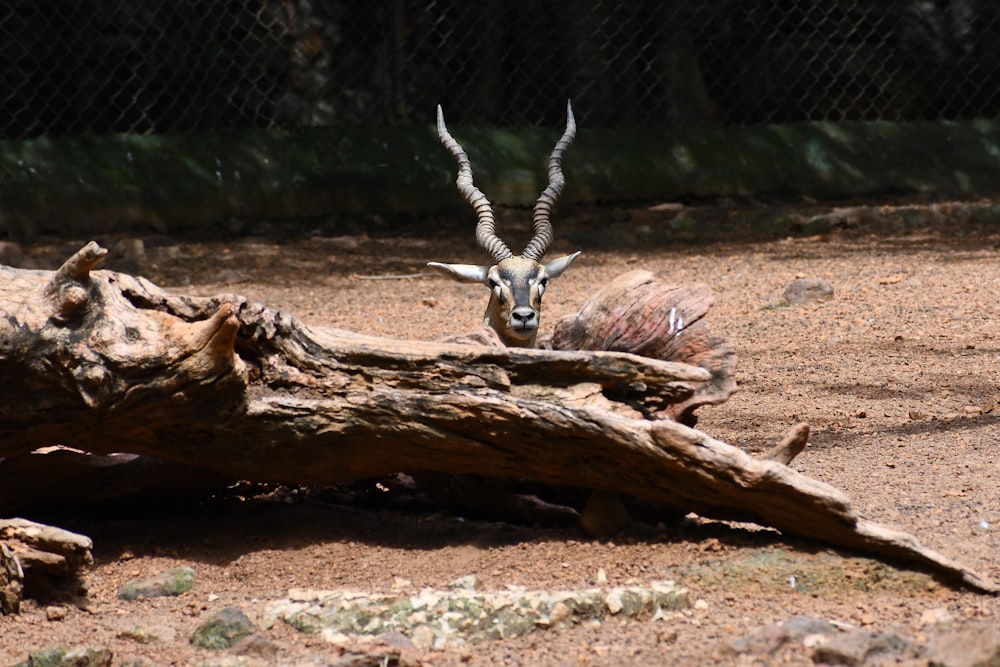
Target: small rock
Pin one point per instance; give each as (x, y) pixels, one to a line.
(560, 612)
(56, 613)
(806, 290)
(136, 661)
(223, 630)
(148, 635)
(601, 578)
(331, 636)
(423, 637)
(974, 645)
(935, 616)
(858, 646)
(172, 582)
(771, 638)
(400, 582)
(425, 598)
(466, 583)
(50, 657)
(308, 594)
(777, 304)
(614, 601)
(396, 639)
(228, 661)
(812, 641)
(701, 605)
(87, 657)
(257, 646)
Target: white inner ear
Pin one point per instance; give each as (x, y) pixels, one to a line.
(468, 273)
(555, 268)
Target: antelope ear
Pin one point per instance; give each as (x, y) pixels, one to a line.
(555, 268)
(467, 273)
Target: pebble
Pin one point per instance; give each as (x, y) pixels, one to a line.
(223, 630)
(85, 657)
(148, 635)
(614, 601)
(172, 582)
(935, 616)
(56, 613)
(807, 290)
(423, 637)
(857, 647)
(466, 583)
(976, 644)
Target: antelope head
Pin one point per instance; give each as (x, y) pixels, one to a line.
(517, 282)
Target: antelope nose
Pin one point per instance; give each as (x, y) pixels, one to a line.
(523, 317)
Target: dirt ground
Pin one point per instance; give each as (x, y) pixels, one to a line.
(896, 374)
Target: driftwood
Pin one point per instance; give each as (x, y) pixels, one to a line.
(106, 362)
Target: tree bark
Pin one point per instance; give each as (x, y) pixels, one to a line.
(39, 561)
(106, 362)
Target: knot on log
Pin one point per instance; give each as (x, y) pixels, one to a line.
(213, 343)
(791, 445)
(112, 341)
(68, 291)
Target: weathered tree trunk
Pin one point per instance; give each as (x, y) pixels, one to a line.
(105, 362)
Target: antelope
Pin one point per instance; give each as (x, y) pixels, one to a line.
(517, 282)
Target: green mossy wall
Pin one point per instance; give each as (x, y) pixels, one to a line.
(127, 183)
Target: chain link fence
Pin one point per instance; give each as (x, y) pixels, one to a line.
(71, 67)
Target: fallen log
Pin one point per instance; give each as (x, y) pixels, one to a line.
(107, 362)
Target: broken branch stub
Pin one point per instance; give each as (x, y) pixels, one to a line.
(247, 391)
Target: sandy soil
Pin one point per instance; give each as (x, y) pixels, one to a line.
(895, 374)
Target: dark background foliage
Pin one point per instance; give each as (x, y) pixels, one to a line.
(96, 66)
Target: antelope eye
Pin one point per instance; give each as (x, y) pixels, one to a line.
(541, 285)
(495, 286)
